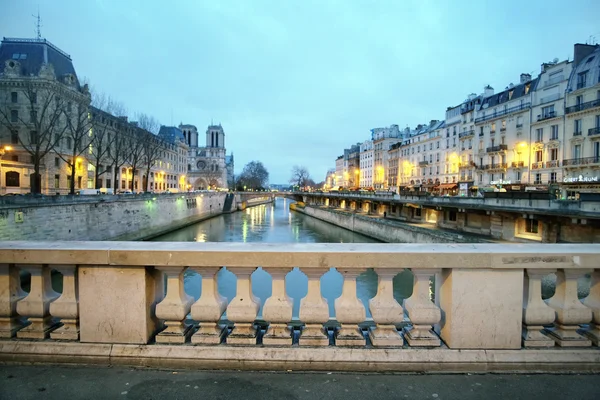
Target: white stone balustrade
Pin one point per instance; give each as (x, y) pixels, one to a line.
(174, 308)
(10, 294)
(36, 305)
(278, 310)
(536, 313)
(243, 309)
(349, 311)
(386, 311)
(593, 301)
(66, 307)
(570, 312)
(209, 308)
(487, 296)
(314, 311)
(422, 312)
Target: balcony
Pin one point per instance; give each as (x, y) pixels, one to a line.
(517, 164)
(583, 106)
(498, 166)
(575, 162)
(466, 134)
(492, 131)
(481, 134)
(519, 126)
(423, 163)
(552, 164)
(503, 112)
(496, 149)
(503, 129)
(548, 115)
(594, 131)
(537, 165)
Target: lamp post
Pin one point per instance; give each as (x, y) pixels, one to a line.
(3, 151)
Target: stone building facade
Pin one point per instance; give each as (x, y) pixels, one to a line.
(46, 117)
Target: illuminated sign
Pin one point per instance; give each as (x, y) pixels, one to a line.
(500, 182)
(580, 179)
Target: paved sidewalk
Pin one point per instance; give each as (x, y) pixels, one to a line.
(93, 383)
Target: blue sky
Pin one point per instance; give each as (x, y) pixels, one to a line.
(295, 82)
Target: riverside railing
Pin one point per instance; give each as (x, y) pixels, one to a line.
(486, 296)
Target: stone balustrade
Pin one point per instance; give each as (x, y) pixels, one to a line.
(486, 296)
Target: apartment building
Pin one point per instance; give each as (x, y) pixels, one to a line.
(366, 164)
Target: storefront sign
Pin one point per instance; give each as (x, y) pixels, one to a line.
(580, 179)
(500, 182)
(463, 186)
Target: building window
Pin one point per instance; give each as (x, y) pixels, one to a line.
(532, 225)
(577, 128)
(518, 176)
(108, 181)
(577, 151)
(69, 143)
(33, 98)
(538, 179)
(548, 112)
(33, 137)
(56, 162)
(554, 132)
(553, 177)
(581, 79)
(14, 98)
(79, 182)
(12, 179)
(14, 116)
(33, 116)
(554, 154)
(519, 122)
(14, 137)
(122, 184)
(538, 156)
(56, 181)
(539, 135)
(452, 216)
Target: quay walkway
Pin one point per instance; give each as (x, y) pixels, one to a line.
(94, 383)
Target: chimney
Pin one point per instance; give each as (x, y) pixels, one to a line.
(525, 78)
(581, 51)
(488, 91)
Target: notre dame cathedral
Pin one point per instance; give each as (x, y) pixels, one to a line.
(208, 167)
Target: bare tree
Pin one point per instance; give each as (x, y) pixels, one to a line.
(135, 154)
(118, 150)
(78, 135)
(300, 175)
(152, 145)
(43, 127)
(104, 134)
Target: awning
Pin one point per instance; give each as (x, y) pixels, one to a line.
(448, 186)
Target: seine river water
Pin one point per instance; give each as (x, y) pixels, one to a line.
(275, 223)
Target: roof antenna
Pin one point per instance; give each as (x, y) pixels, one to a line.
(38, 24)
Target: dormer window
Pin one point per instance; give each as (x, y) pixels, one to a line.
(527, 88)
(510, 94)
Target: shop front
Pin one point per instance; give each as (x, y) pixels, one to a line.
(448, 189)
(580, 187)
(467, 189)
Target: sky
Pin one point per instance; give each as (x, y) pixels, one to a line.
(294, 82)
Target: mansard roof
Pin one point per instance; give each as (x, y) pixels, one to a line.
(519, 90)
(171, 134)
(589, 65)
(33, 53)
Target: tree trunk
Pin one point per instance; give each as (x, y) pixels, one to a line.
(72, 188)
(36, 179)
(115, 182)
(147, 179)
(133, 171)
(96, 176)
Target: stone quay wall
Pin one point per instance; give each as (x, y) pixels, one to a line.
(389, 231)
(106, 217)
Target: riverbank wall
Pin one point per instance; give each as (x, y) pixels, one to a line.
(386, 230)
(135, 217)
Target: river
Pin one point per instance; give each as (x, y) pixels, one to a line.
(275, 223)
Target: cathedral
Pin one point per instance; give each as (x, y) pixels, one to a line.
(208, 166)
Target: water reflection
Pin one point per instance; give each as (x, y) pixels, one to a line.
(274, 223)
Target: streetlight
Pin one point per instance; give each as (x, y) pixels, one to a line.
(3, 151)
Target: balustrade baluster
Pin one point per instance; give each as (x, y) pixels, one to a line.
(349, 311)
(423, 313)
(278, 310)
(570, 312)
(174, 308)
(35, 306)
(242, 310)
(10, 294)
(314, 311)
(593, 302)
(209, 308)
(386, 311)
(66, 307)
(536, 312)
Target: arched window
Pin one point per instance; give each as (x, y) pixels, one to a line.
(12, 179)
